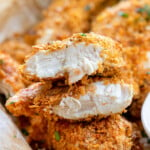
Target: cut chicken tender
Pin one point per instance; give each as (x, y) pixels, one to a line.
(98, 98)
(75, 17)
(73, 58)
(17, 49)
(10, 80)
(112, 133)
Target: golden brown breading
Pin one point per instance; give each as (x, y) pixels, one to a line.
(63, 18)
(128, 22)
(112, 133)
(73, 58)
(134, 27)
(17, 49)
(10, 80)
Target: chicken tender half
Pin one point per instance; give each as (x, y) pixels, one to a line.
(77, 102)
(17, 49)
(73, 58)
(75, 17)
(112, 133)
(10, 80)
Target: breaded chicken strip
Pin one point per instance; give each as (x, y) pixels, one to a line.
(63, 18)
(18, 16)
(133, 32)
(129, 22)
(77, 102)
(10, 80)
(17, 49)
(134, 17)
(73, 58)
(112, 133)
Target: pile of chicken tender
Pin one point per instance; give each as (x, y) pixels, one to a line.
(77, 79)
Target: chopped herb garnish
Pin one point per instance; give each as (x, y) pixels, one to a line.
(83, 34)
(87, 7)
(145, 9)
(148, 73)
(123, 14)
(1, 62)
(143, 133)
(25, 132)
(11, 103)
(57, 135)
(14, 136)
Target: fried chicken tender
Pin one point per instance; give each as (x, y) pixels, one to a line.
(63, 18)
(73, 58)
(110, 133)
(18, 16)
(10, 80)
(128, 22)
(77, 102)
(17, 49)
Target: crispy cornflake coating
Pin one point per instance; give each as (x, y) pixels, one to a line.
(110, 133)
(129, 23)
(63, 18)
(73, 58)
(17, 49)
(10, 80)
(101, 98)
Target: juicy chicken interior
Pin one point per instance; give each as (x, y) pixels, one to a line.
(75, 17)
(10, 80)
(134, 35)
(99, 98)
(73, 58)
(17, 49)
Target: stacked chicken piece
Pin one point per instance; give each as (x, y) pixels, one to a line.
(83, 85)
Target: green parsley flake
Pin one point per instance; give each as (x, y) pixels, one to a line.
(83, 34)
(11, 103)
(148, 73)
(57, 135)
(143, 133)
(145, 9)
(87, 7)
(1, 62)
(139, 10)
(123, 14)
(25, 132)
